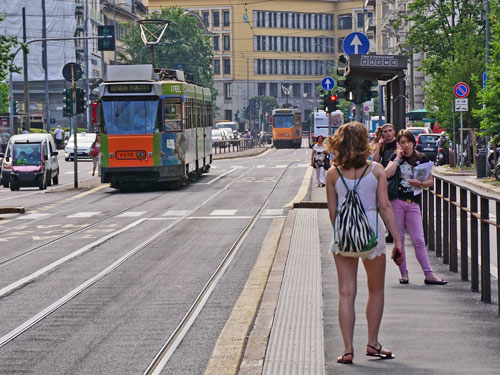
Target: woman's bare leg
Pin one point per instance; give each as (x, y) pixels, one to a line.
(347, 271)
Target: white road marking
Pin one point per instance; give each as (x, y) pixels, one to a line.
(216, 178)
(176, 213)
(62, 260)
(219, 217)
(83, 214)
(272, 211)
(32, 216)
(280, 166)
(302, 165)
(223, 212)
(132, 214)
(260, 166)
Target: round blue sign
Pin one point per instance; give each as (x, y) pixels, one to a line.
(328, 83)
(356, 43)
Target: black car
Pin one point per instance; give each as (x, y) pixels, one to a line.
(428, 145)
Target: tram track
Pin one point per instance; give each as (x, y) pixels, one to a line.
(88, 283)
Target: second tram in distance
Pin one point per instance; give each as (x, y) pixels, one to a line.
(287, 127)
(154, 127)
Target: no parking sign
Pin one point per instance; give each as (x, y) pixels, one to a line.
(461, 90)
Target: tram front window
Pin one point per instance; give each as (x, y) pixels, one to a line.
(130, 116)
(283, 121)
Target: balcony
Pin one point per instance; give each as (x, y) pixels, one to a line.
(79, 9)
(370, 24)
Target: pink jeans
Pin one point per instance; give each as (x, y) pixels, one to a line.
(408, 216)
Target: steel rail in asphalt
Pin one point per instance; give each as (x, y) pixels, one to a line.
(51, 242)
(79, 289)
(163, 356)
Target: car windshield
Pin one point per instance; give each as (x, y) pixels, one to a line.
(82, 139)
(229, 125)
(429, 138)
(283, 121)
(26, 153)
(130, 116)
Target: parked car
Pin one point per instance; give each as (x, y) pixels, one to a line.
(219, 138)
(30, 160)
(230, 134)
(419, 130)
(428, 144)
(83, 141)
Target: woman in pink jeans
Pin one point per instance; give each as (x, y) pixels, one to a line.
(407, 205)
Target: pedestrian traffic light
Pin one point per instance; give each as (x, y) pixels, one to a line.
(14, 107)
(107, 40)
(81, 103)
(349, 86)
(68, 102)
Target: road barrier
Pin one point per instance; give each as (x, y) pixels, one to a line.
(440, 219)
(221, 147)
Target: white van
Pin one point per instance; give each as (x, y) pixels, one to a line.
(30, 160)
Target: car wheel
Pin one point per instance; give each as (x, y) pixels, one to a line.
(49, 180)
(42, 183)
(5, 183)
(14, 185)
(55, 179)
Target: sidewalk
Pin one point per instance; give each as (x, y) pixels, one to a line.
(431, 329)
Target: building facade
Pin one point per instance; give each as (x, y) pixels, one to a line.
(280, 49)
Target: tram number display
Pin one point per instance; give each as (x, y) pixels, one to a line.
(130, 155)
(129, 88)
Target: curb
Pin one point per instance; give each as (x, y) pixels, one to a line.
(12, 210)
(241, 154)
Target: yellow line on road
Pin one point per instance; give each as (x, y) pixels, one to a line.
(303, 188)
(89, 192)
(230, 345)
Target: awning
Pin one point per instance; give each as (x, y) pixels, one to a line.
(417, 114)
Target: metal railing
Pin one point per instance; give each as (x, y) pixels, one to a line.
(443, 207)
(221, 147)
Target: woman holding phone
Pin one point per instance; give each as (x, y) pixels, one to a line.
(406, 206)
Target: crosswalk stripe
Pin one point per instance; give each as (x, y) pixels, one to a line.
(273, 212)
(83, 214)
(223, 212)
(32, 216)
(175, 213)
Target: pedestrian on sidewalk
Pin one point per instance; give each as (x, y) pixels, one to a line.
(94, 153)
(318, 157)
(407, 205)
(351, 148)
(59, 136)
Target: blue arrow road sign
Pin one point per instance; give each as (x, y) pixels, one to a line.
(328, 83)
(356, 43)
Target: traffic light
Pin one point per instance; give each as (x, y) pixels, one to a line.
(108, 43)
(331, 103)
(323, 100)
(366, 90)
(68, 102)
(81, 103)
(14, 107)
(349, 85)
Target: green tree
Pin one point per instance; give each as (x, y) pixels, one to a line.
(4, 97)
(6, 56)
(184, 43)
(489, 113)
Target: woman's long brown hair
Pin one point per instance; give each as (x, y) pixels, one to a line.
(350, 145)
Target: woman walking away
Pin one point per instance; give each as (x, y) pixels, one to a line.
(351, 148)
(318, 157)
(407, 205)
(94, 153)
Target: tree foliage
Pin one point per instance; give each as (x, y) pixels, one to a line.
(4, 97)
(489, 113)
(451, 35)
(184, 43)
(6, 56)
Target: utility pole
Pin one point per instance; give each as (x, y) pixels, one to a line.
(25, 67)
(45, 66)
(87, 69)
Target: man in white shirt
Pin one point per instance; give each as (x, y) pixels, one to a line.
(59, 136)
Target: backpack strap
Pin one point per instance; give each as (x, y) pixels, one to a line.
(362, 174)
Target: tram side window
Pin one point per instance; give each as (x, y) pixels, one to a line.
(173, 114)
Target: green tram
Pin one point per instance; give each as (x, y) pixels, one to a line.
(155, 127)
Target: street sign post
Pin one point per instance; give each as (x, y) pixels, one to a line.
(356, 43)
(461, 90)
(328, 83)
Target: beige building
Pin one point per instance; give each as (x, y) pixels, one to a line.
(275, 47)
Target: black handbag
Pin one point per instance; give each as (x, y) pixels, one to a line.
(326, 164)
(393, 185)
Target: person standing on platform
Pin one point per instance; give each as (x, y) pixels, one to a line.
(386, 145)
(407, 205)
(351, 149)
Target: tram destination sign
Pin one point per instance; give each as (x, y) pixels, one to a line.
(129, 88)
